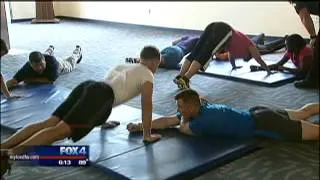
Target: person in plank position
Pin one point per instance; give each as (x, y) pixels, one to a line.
(262, 46)
(90, 104)
(172, 55)
(298, 52)
(209, 119)
(217, 37)
(45, 68)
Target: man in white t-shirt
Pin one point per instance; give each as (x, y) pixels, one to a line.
(90, 104)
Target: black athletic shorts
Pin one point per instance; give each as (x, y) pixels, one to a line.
(213, 39)
(312, 6)
(88, 105)
(275, 123)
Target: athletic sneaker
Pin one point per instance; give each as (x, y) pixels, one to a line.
(176, 79)
(132, 60)
(306, 84)
(78, 53)
(50, 50)
(182, 82)
(255, 68)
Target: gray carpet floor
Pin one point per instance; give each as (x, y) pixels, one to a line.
(105, 45)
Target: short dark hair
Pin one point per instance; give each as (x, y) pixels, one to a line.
(295, 43)
(150, 52)
(36, 57)
(4, 46)
(188, 96)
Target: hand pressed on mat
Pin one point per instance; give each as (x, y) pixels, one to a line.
(15, 97)
(137, 127)
(236, 67)
(152, 138)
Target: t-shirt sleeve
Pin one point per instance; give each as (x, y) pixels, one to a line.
(52, 75)
(147, 77)
(23, 73)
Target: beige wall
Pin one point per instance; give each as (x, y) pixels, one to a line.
(272, 18)
(23, 10)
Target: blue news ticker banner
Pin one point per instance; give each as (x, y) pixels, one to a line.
(55, 156)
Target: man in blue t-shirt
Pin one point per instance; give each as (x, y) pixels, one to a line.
(172, 55)
(45, 68)
(208, 119)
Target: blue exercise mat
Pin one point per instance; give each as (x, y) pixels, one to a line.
(222, 69)
(178, 157)
(107, 143)
(119, 152)
(37, 104)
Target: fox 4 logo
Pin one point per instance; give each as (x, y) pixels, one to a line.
(73, 150)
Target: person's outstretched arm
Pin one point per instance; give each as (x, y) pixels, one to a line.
(162, 123)
(146, 103)
(41, 80)
(233, 62)
(256, 55)
(275, 67)
(158, 123)
(4, 88)
(290, 70)
(282, 61)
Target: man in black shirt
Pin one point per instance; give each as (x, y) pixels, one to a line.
(45, 68)
(304, 9)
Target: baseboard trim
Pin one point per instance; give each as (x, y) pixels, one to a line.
(128, 24)
(191, 31)
(21, 20)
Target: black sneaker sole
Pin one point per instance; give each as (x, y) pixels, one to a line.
(131, 60)
(183, 85)
(79, 60)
